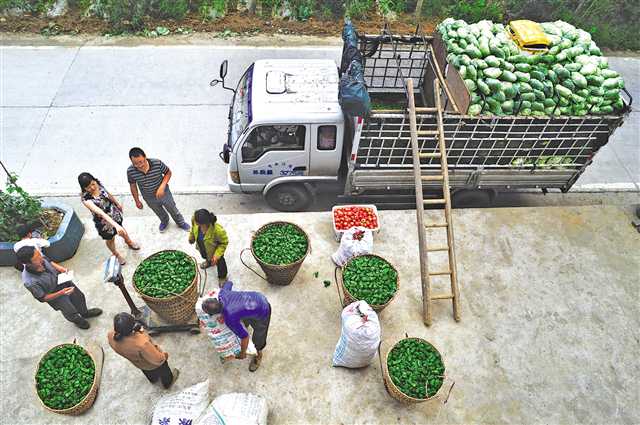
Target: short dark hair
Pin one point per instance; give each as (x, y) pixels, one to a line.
(211, 306)
(24, 229)
(203, 216)
(25, 254)
(135, 152)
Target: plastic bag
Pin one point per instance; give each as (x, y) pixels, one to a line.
(225, 342)
(353, 95)
(360, 336)
(183, 407)
(355, 241)
(236, 409)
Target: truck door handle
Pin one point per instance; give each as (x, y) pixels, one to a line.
(300, 169)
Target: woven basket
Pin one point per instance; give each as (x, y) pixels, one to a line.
(88, 400)
(391, 387)
(349, 298)
(177, 309)
(280, 274)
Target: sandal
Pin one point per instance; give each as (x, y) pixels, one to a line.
(121, 260)
(255, 363)
(134, 246)
(205, 264)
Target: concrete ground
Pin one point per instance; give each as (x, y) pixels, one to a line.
(96, 98)
(549, 331)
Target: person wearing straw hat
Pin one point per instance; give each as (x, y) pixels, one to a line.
(132, 342)
(241, 309)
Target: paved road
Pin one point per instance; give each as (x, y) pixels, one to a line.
(80, 108)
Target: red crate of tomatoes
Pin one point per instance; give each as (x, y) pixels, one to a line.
(348, 216)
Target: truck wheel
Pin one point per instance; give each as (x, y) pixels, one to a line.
(289, 198)
(472, 198)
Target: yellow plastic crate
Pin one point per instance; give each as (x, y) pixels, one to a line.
(529, 36)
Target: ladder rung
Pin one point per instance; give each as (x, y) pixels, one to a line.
(430, 155)
(440, 273)
(434, 201)
(442, 297)
(438, 248)
(427, 133)
(432, 178)
(423, 109)
(436, 225)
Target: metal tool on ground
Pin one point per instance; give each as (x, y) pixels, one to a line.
(113, 274)
(436, 136)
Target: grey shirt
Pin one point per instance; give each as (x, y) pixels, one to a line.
(41, 283)
(150, 182)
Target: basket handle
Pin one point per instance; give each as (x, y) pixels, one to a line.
(245, 264)
(449, 392)
(335, 277)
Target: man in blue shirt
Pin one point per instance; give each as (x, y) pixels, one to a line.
(240, 309)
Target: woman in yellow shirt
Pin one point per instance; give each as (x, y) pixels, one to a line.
(211, 240)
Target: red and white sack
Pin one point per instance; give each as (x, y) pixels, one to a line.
(355, 241)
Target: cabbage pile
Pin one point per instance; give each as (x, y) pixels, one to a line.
(571, 79)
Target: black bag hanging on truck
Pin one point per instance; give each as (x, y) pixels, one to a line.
(350, 47)
(353, 95)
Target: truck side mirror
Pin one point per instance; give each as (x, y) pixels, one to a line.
(223, 69)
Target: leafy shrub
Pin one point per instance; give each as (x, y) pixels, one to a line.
(358, 9)
(16, 207)
(302, 9)
(212, 9)
(330, 9)
(31, 6)
(392, 6)
(123, 15)
(268, 7)
(477, 10)
(170, 9)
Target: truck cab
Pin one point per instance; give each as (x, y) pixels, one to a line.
(286, 131)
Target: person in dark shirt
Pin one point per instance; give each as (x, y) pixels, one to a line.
(240, 309)
(151, 176)
(40, 277)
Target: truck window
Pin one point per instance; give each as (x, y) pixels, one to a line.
(268, 138)
(241, 106)
(327, 137)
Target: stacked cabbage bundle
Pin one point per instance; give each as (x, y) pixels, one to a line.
(572, 78)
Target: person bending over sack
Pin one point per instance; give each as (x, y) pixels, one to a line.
(241, 309)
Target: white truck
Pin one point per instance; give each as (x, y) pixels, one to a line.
(289, 138)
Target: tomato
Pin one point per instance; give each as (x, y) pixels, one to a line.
(347, 217)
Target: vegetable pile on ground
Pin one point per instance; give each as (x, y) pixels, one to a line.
(415, 368)
(65, 376)
(348, 217)
(280, 244)
(571, 79)
(165, 274)
(370, 278)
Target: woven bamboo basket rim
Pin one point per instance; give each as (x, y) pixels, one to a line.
(373, 306)
(92, 391)
(389, 381)
(282, 266)
(160, 300)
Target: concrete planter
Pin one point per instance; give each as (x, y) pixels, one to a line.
(64, 243)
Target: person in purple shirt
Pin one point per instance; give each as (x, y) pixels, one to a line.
(239, 310)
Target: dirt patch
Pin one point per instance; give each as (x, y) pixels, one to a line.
(239, 23)
(51, 219)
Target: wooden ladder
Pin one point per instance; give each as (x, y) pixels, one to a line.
(425, 274)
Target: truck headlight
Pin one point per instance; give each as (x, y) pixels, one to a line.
(235, 176)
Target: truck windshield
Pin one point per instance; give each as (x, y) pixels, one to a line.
(241, 107)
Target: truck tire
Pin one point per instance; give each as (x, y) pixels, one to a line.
(472, 198)
(289, 198)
